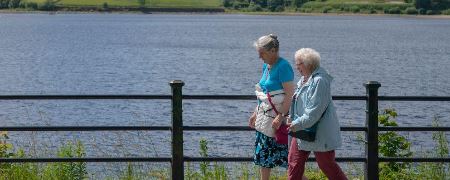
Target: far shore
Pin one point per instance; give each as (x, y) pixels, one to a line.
(205, 11)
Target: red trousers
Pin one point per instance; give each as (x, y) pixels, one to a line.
(297, 159)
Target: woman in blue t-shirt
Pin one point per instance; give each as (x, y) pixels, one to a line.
(277, 78)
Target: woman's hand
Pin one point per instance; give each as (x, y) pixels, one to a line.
(276, 123)
(289, 124)
(251, 120)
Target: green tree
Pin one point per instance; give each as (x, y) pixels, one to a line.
(425, 4)
(4, 4)
(298, 3)
(262, 3)
(13, 4)
(275, 4)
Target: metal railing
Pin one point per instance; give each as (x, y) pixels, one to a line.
(177, 159)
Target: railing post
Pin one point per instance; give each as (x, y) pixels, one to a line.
(177, 130)
(371, 169)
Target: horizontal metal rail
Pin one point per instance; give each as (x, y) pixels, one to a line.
(246, 128)
(414, 98)
(250, 159)
(398, 159)
(80, 97)
(87, 128)
(413, 128)
(87, 159)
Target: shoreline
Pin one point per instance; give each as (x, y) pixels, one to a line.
(215, 11)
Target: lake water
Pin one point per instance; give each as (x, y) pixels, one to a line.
(212, 54)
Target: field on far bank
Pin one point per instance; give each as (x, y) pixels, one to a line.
(135, 3)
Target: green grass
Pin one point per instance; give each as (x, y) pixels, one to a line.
(135, 3)
(351, 7)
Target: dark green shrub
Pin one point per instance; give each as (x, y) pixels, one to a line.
(440, 4)
(227, 3)
(426, 4)
(346, 8)
(49, 5)
(23, 5)
(422, 11)
(279, 9)
(430, 12)
(32, 5)
(395, 10)
(298, 3)
(326, 9)
(372, 11)
(13, 4)
(306, 10)
(446, 12)
(254, 7)
(236, 5)
(275, 5)
(411, 10)
(105, 6)
(141, 3)
(240, 5)
(354, 9)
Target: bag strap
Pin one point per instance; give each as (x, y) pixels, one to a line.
(271, 103)
(268, 95)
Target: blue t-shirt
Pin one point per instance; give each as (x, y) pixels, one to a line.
(280, 73)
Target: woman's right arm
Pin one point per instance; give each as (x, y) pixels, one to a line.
(252, 119)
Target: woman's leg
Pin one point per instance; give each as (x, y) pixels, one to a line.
(265, 173)
(329, 166)
(296, 161)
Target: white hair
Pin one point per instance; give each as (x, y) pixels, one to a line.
(267, 42)
(310, 57)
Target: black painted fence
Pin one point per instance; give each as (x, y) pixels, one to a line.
(177, 160)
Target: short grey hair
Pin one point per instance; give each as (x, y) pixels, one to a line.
(310, 57)
(267, 42)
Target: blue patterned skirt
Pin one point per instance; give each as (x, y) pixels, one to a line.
(268, 153)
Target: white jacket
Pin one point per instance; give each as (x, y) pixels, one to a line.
(265, 113)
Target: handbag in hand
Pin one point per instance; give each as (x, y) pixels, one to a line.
(281, 134)
(309, 134)
(304, 135)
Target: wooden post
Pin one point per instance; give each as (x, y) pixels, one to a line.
(177, 130)
(371, 169)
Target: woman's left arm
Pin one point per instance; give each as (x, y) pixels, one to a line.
(288, 88)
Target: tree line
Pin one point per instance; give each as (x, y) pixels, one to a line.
(48, 5)
(280, 5)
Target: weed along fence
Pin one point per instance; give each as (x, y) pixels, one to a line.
(177, 160)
